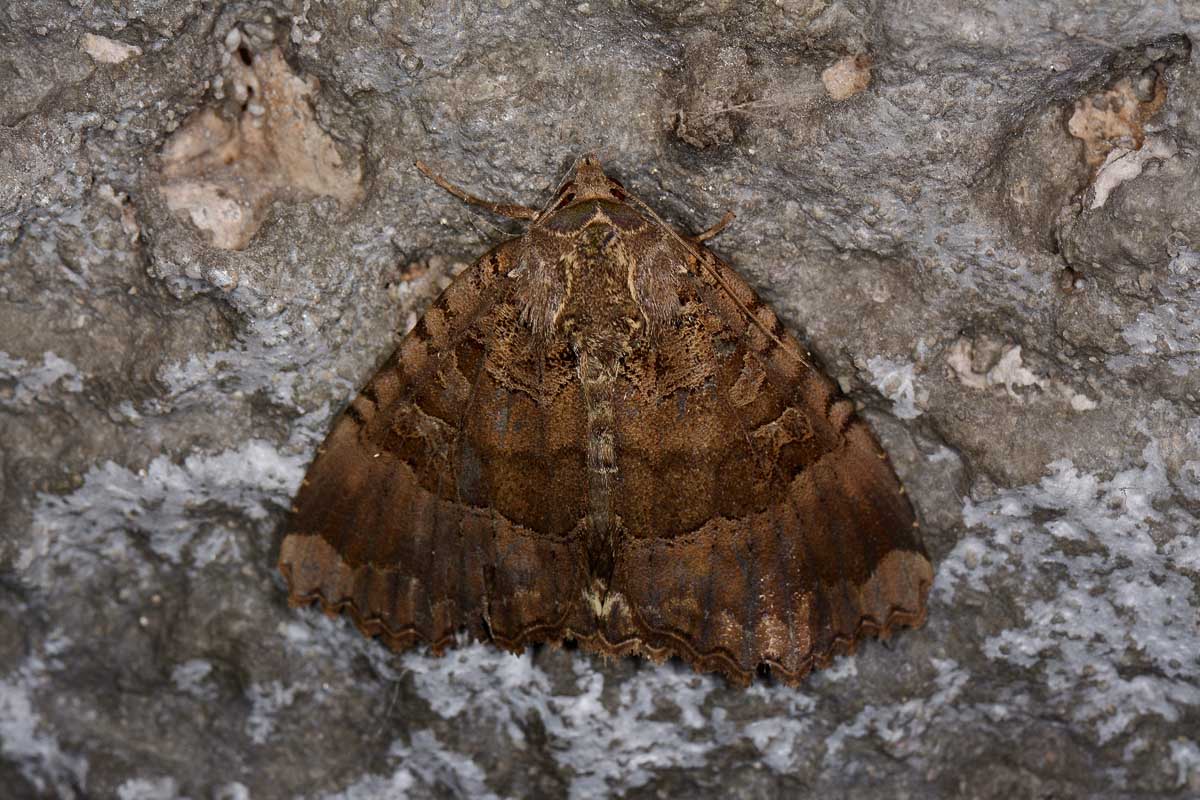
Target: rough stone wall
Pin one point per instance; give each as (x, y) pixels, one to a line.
(982, 217)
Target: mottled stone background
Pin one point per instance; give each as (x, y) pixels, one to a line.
(983, 217)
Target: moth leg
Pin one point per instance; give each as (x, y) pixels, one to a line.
(510, 210)
(709, 233)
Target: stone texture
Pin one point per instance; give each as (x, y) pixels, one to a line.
(1013, 304)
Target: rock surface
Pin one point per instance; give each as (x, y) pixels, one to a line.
(981, 218)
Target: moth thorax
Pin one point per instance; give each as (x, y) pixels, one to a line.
(599, 298)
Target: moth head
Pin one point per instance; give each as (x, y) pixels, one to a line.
(587, 182)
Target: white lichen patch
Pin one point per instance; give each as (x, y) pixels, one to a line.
(897, 381)
(191, 678)
(780, 737)
(266, 700)
(1110, 619)
(1124, 164)
(426, 760)
(1170, 330)
(266, 359)
(26, 739)
(161, 788)
(1185, 758)
(23, 383)
(900, 727)
(219, 546)
(377, 787)
(610, 740)
(162, 505)
(437, 765)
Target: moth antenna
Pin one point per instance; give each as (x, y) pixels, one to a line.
(692, 246)
(479, 223)
(712, 231)
(510, 210)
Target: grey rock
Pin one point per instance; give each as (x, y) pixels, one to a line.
(1029, 356)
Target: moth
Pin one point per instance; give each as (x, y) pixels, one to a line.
(599, 433)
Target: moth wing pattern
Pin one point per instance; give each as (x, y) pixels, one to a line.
(599, 432)
(765, 525)
(427, 509)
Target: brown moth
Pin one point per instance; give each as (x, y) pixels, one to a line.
(599, 433)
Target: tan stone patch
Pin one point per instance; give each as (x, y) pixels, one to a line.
(223, 174)
(1116, 116)
(847, 76)
(107, 51)
(986, 362)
